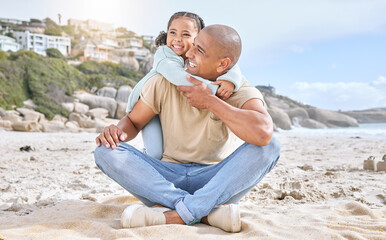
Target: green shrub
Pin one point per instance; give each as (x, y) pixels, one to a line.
(54, 53)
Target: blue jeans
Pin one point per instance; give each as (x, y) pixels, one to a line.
(191, 189)
(153, 138)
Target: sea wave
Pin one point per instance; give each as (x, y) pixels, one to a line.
(368, 130)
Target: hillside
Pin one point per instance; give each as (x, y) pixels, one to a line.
(50, 81)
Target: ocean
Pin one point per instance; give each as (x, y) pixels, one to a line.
(368, 130)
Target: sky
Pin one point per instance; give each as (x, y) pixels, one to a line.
(326, 53)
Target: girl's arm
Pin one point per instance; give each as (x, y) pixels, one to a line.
(234, 76)
(171, 66)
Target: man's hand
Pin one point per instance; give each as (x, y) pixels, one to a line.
(225, 90)
(111, 136)
(198, 95)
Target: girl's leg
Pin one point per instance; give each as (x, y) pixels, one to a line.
(153, 138)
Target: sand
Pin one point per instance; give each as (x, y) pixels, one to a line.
(318, 190)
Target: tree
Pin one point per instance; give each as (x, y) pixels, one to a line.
(9, 34)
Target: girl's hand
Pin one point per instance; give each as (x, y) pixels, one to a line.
(225, 90)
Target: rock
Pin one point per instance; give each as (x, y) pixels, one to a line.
(30, 115)
(12, 116)
(100, 113)
(121, 110)
(81, 108)
(29, 104)
(59, 118)
(68, 106)
(280, 118)
(308, 123)
(26, 126)
(5, 124)
(375, 115)
(81, 119)
(147, 64)
(54, 126)
(298, 113)
(2, 112)
(123, 94)
(129, 62)
(85, 121)
(107, 92)
(331, 118)
(72, 124)
(98, 102)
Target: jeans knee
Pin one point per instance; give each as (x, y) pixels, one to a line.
(100, 154)
(275, 145)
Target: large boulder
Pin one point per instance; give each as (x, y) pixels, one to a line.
(86, 122)
(30, 115)
(100, 113)
(331, 118)
(297, 112)
(280, 118)
(12, 116)
(121, 110)
(26, 126)
(375, 115)
(123, 94)
(147, 64)
(68, 106)
(307, 123)
(54, 126)
(98, 102)
(107, 92)
(5, 124)
(81, 108)
(29, 104)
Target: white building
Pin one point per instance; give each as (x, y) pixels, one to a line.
(40, 42)
(8, 44)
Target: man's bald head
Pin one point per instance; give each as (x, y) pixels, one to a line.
(228, 41)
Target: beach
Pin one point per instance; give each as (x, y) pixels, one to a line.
(318, 190)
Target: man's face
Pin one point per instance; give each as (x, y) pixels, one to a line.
(203, 58)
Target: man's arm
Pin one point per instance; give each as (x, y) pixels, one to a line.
(251, 123)
(127, 128)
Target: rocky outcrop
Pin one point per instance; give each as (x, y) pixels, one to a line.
(300, 114)
(375, 115)
(331, 118)
(147, 64)
(107, 92)
(98, 102)
(123, 94)
(280, 118)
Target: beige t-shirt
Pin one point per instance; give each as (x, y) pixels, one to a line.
(191, 135)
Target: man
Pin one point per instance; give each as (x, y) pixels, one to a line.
(197, 130)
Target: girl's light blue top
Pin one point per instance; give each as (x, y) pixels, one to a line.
(171, 66)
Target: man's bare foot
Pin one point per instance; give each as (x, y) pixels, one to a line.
(172, 217)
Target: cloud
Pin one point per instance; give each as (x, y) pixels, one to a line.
(340, 95)
(280, 25)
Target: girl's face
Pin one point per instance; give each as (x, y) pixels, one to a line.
(181, 34)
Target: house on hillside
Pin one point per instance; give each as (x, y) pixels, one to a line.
(8, 44)
(131, 45)
(40, 42)
(92, 50)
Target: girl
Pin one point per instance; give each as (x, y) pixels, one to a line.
(169, 59)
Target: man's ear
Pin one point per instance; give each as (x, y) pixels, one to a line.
(223, 65)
